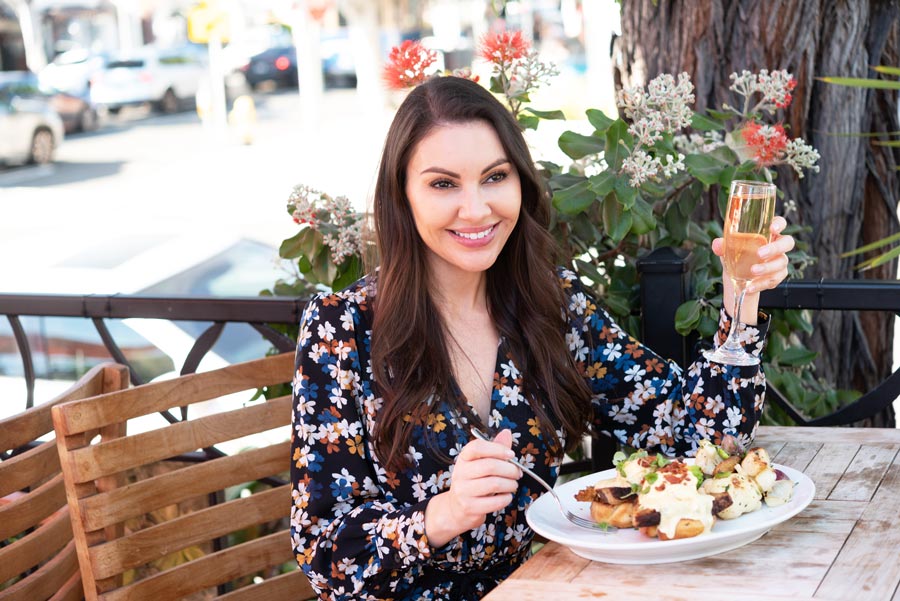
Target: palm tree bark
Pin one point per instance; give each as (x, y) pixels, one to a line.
(853, 200)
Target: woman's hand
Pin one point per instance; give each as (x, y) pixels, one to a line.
(771, 270)
(483, 482)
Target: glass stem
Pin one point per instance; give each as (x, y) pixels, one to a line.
(731, 342)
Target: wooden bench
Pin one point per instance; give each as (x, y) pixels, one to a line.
(178, 552)
(39, 561)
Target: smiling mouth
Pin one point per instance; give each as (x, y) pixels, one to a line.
(475, 235)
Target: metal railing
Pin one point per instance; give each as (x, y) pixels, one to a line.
(664, 286)
(667, 271)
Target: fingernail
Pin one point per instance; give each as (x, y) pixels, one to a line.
(510, 453)
(764, 252)
(756, 269)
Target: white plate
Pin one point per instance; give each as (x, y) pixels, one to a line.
(631, 547)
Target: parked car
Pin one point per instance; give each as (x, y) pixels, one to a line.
(71, 71)
(277, 65)
(30, 130)
(76, 110)
(166, 78)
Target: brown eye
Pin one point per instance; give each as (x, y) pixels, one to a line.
(442, 184)
(497, 176)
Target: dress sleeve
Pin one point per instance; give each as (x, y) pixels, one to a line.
(646, 401)
(351, 540)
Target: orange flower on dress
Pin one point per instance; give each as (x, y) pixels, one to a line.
(407, 64)
(768, 142)
(504, 47)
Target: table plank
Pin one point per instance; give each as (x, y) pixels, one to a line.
(553, 562)
(797, 455)
(849, 435)
(865, 473)
(869, 564)
(829, 465)
(535, 589)
(824, 515)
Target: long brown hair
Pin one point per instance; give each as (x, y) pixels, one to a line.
(410, 360)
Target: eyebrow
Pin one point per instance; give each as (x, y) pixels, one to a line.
(443, 171)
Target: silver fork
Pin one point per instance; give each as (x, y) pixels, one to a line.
(577, 520)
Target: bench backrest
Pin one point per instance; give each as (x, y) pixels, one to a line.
(39, 561)
(139, 531)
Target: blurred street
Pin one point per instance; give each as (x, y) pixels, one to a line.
(146, 180)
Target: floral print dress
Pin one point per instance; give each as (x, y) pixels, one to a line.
(358, 530)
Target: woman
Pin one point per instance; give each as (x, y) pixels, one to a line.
(468, 323)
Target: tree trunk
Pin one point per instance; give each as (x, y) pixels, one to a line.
(853, 199)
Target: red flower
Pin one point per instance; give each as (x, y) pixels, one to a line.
(767, 143)
(407, 64)
(784, 102)
(504, 47)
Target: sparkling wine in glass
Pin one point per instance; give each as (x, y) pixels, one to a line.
(751, 208)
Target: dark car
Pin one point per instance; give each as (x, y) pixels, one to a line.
(276, 66)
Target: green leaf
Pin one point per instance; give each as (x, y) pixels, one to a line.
(304, 264)
(577, 146)
(889, 143)
(603, 183)
(348, 272)
(676, 223)
(590, 270)
(546, 114)
(643, 218)
(618, 144)
(529, 121)
(709, 322)
(617, 304)
(704, 167)
(720, 115)
(550, 167)
(496, 85)
(877, 244)
(303, 242)
(797, 321)
(565, 180)
(857, 82)
(887, 70)
(616, 222)
(625, 192)
(687, 316)
(574, 199)
(796, 355)
(599, 120)
(703, 123)
(880, 259)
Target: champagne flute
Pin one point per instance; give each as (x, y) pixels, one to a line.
(751, 208)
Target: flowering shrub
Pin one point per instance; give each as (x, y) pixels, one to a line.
(636, 182)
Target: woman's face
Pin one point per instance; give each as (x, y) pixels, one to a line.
(465, 196)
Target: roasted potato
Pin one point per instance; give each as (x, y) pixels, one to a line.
(619, 515)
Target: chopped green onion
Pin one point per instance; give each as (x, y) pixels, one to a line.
(722, 452)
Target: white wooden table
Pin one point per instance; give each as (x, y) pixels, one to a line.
(844, 546)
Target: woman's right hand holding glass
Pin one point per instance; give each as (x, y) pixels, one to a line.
(483, 482)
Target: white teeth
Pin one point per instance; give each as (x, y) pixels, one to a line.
(477, 236)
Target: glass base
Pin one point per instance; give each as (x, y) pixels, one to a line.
(727, 356)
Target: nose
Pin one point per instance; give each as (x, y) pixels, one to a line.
(474, 206)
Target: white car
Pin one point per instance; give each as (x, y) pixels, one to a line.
(71, 71)
(166, 78)
(30, 130)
